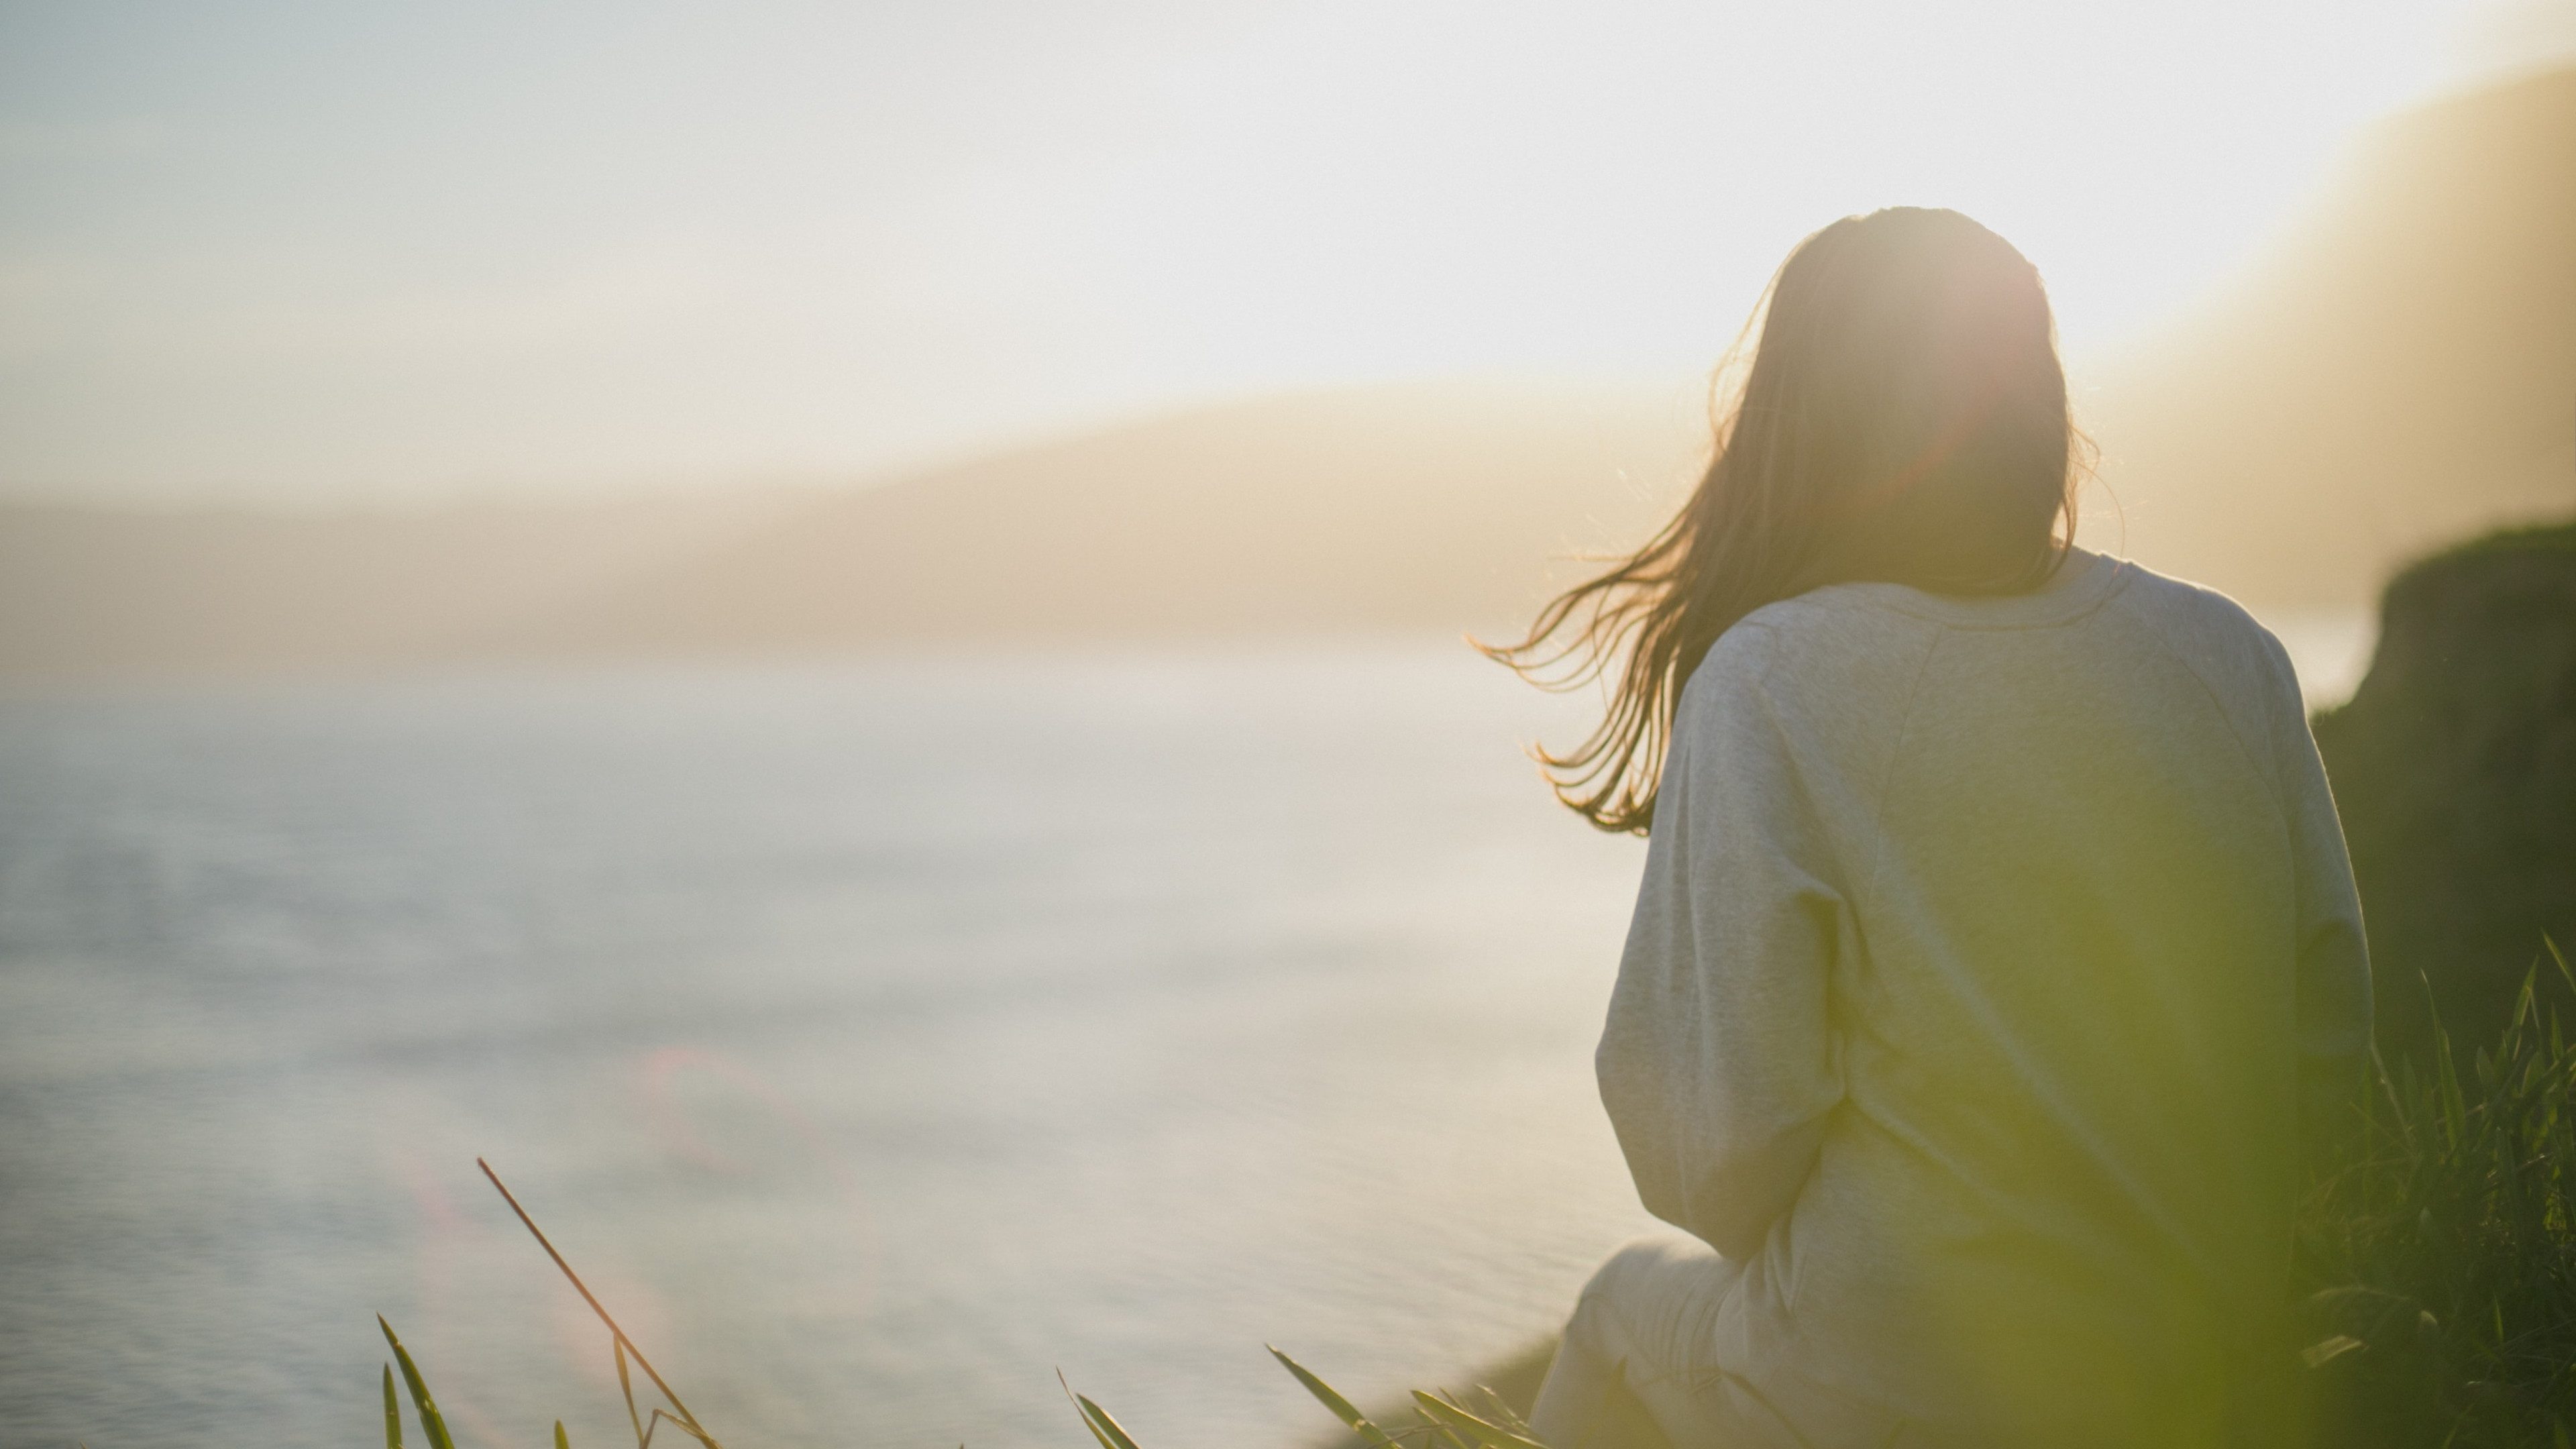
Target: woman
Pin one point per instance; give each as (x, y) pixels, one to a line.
(1996, 932)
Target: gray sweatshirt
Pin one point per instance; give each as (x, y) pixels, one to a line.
(1987, 953)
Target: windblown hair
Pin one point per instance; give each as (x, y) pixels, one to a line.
(1903, 418)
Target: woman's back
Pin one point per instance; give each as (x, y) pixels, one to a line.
(1982, 948)
(1996, 932)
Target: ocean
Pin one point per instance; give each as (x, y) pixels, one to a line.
(877, 1038)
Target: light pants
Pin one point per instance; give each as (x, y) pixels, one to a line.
(1642, 1346)
(1640, 1338)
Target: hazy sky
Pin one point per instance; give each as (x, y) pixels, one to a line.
(352, 253)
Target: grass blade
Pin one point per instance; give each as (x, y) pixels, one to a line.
(626, 1389)
(431, 1424)
(1104, 1426)
(1103, 1439)
(1096, 1419)
(1449, 1416)
(683, 1417)
(562, 1440)
(663, 1416)
(1503, 1413)
(1342, 1408)
(393, 1413)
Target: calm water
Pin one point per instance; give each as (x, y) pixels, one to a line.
(877, 1038)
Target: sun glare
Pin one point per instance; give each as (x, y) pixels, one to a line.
(374, 253)
(1427, 190)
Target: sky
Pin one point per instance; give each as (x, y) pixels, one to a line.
(335, 255)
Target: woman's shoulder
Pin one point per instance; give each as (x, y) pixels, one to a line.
(2184, 598)
(2094, 586)
(2209, 630)
(1842, 624)
(1839, 616)
(1869, 637)
(1814, 653)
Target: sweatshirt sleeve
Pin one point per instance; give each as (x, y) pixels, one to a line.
(1716, 1065)
(2334, 991)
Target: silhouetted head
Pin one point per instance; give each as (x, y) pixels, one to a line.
(1901, 417)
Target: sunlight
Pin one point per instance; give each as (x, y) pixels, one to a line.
(1416, 192)
(817, 240)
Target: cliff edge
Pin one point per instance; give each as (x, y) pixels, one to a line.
(2454, 766)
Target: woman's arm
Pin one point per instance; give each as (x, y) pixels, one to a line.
(1716, 1064)
(2334, 993)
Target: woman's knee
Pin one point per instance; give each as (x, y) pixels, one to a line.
(1633, 1289)
(1643, 1330)
(1655, 1302)
(1644, 1261)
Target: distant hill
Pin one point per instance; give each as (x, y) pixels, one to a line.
(1430, 507)
(2398, 369)
(90, 593)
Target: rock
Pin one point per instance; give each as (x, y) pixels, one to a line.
(2454, 767)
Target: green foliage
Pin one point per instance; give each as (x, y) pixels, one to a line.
(621, 1348)
(1450, 1415)
(1097, 1420)
(1342, 1408)
(2443, 1252)
(432, 1426)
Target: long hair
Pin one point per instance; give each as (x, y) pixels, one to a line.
(1903, 418)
